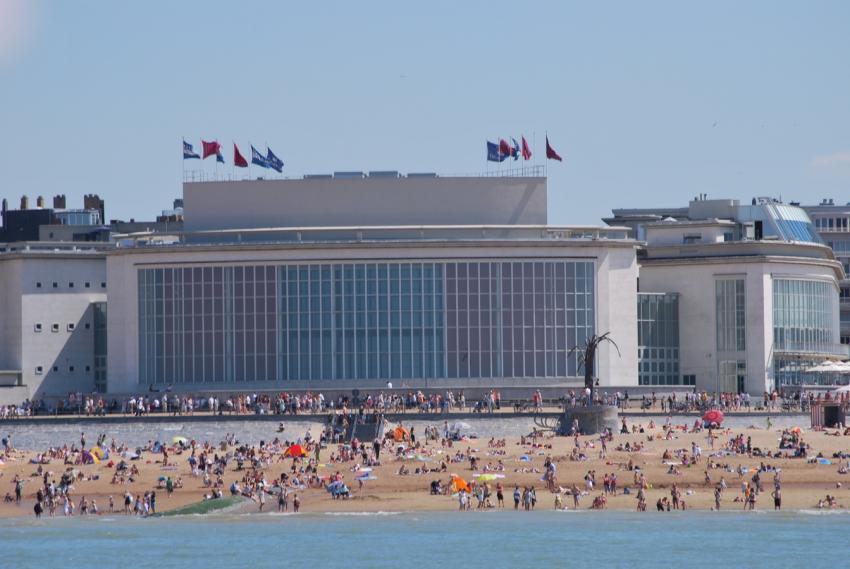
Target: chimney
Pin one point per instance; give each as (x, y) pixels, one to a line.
(25, 202)
(5, 205)
(59, 201)
(39, 202)
(93, 201)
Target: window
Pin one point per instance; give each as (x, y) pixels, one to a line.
(55, 285)
(88, 325)
(88, 368)
(728, 236)
(689, 379)
(102, 285)
(71, 368)
(71, 326)
(38, 327)
(55, 368)
(687, 239)
(39, 370)
(87, 284)
(38, 284)
(70, 285)
(730, 311)
(54, 327)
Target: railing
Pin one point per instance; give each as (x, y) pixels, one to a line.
(228, 175)
(376, 233)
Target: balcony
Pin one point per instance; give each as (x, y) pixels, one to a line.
(812, 350)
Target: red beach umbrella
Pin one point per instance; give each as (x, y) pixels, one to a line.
(713, 416)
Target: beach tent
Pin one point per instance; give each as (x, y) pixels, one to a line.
(99, 452)
(459, 483)
(295, 450)
(182, 441)
(89, 458)
(401, 434)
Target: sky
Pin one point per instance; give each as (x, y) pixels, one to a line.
(649, 103)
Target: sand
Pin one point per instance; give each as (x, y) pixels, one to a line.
(803, 483)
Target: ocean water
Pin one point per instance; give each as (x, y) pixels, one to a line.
(495, 540)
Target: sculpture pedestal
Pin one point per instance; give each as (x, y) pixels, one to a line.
(591, 420)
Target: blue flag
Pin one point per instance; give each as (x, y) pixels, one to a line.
(219, 157)
(188, 152)
(273, 161)
(515, 149)
(258, 159)
(493, 154)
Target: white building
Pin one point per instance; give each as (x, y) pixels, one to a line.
(52, 303)
(754, 289)
(354, 282)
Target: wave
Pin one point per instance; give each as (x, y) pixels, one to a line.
(816, 512)
(378, 513)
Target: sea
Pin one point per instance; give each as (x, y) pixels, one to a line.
(503, 539)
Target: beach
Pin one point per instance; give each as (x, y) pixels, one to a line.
(402, 482)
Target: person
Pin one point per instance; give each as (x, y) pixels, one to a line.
(37, 509)
(296, 503)
(718, 493)
(282, 502)
(262, 498)
(500, 496)
(777, 498)
(517, 496)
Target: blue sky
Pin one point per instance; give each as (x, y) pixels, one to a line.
(650, 103)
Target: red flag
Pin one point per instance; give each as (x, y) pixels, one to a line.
(238, 160)
(504, 147)
(526, 151)
(550, 152)
(211, 148)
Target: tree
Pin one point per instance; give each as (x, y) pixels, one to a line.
(587, 359)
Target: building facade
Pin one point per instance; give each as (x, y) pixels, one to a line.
(757, 294)
(52, 302)
(414, 281)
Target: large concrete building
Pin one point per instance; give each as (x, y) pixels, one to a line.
(359, 282)
(354, 281)
(756, 292)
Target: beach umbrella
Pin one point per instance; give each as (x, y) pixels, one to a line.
(162, 479)
(180, 441)
(295, 450)
(713, 416)
(486, 477)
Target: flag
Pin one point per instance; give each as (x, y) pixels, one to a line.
(219, 158)
(258, 159)
(238, 160)
(504, 147)
(188, 151)
(211, 148)
(515, 149)
(550, 152)
(526, 151)
(493, 154)
(274, 162)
